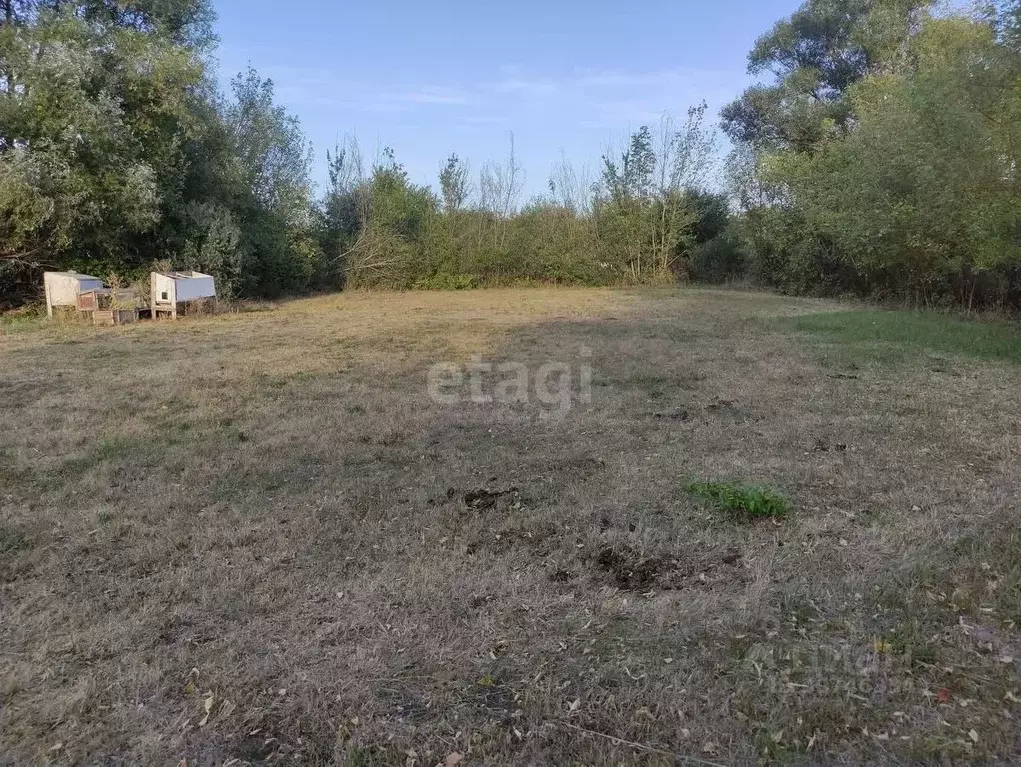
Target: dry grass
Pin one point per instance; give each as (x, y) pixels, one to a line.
(255, 537)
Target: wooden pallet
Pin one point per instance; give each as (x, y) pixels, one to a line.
(114, 316)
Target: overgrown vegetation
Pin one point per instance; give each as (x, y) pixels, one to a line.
(749, 501)
(116, 149)
(880, 158)
(641, 221)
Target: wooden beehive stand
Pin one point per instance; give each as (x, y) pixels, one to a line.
(109, 306)
(170, 292)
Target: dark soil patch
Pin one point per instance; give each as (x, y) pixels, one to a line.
(632, 571)
(822, 446)
(483, 499)
(561, 576)
(628, 569)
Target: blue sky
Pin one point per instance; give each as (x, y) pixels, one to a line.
(567, 77)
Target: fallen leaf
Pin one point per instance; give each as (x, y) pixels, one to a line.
(452, 759)
(574, 705)
(207, 705)
(943, 696)
(973, 735)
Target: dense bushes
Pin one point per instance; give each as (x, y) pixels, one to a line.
(881, 160)
(640, 223)
(116, 150)
(886, 154)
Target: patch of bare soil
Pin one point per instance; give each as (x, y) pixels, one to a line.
(484, 499)
(631, 570)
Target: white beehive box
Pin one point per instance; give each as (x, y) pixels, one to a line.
(63, 288)
(169, 289)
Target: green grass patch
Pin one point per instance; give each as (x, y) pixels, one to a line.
(862, 336)
(750, 501)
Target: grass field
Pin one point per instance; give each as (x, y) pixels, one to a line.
(767, 528)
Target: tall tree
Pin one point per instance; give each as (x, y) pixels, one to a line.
(93, 116)
(814, 56)
(455, 183)
(925, 188)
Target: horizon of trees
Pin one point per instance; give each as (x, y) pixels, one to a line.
(878, 157)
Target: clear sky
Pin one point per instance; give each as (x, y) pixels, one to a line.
(431, 78)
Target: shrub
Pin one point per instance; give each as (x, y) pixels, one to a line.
(750, 501)
(718, 260)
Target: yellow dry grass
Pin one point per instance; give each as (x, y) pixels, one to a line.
(255, 537)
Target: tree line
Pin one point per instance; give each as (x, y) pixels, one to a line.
(117, 149)
(878, 157)
(649, 205)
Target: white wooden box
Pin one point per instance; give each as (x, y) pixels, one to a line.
(63, 288)
(172, 288)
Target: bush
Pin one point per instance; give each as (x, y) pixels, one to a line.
(718, 260)
(749, 501)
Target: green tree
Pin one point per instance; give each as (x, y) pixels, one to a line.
(814, 56)
(92, 117)
(392, 247)
(923, 194)
(267, 185)
(455, 184)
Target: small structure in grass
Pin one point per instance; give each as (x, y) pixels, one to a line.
(114, 316)
(110, 306)
(172, 291)
(64, 288)
(748, 501)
